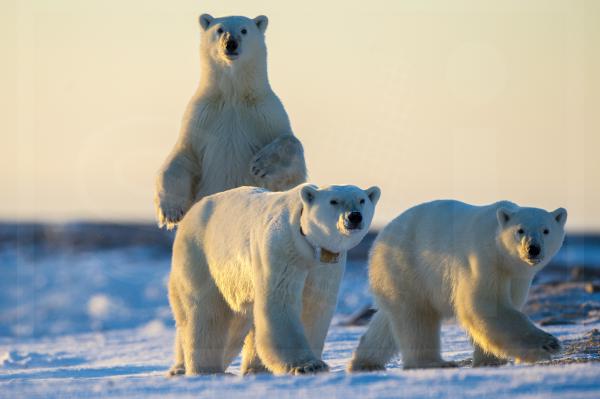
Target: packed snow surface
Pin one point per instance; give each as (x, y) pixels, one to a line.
(96, 322)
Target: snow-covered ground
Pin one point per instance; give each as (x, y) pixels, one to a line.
(131, 363)
(95, 322)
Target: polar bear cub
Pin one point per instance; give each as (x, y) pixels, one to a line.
(448, 258)
(235, 131)
(267, 265)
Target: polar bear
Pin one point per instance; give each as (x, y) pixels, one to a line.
(448, 258)
(265, 266)
(235, 131)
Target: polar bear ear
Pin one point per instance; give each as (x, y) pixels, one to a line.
(560, 215)
(261, 23)
(503, 215)
(374, 193)
(205, 21)
(308, 194)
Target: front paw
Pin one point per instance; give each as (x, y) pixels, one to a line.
(169, 213)
(540, 346)
(264, 165)
(309, 367)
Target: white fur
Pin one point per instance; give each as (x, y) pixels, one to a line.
(235, 131)
(447, 258)
(244, 270)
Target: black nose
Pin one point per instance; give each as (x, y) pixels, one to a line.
(534, 250)
(355, 218)
(231, 45)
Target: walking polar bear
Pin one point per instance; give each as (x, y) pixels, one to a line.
(248, 257)
(235, 131)
(447, 258)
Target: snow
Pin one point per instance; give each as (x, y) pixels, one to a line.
(132, 362)
(95, 322)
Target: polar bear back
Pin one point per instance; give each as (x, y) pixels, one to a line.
(445, 227)
(429, 246)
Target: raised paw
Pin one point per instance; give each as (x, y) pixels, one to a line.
(264, 165)
(169, 216)
(311, 367)
(177, 369)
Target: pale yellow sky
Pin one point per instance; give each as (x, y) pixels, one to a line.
(472, 100)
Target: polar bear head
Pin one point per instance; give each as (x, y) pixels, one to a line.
(233, 40)
(337, 218)
(531, 236)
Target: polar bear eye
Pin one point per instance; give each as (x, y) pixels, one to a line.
(333, 202)
(546, 231)
(362, 201)
(220, 30)
(520, 231)
(244, 31)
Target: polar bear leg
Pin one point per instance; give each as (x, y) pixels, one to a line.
(376, 347)
(251, 363)
(238, 329)
(280, 164)
(416, 328)
(178, 367)
(494, 324)
(174, 188)
(204, 334)
(319, 300)
(279, 333)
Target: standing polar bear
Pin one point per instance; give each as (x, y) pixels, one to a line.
(447, 258)
(248, 258)
(235, 131)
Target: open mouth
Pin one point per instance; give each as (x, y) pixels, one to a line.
(232, 55)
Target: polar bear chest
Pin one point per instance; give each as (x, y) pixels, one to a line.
(229, 141)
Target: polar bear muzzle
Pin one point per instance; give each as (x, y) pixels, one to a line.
(231, 46)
